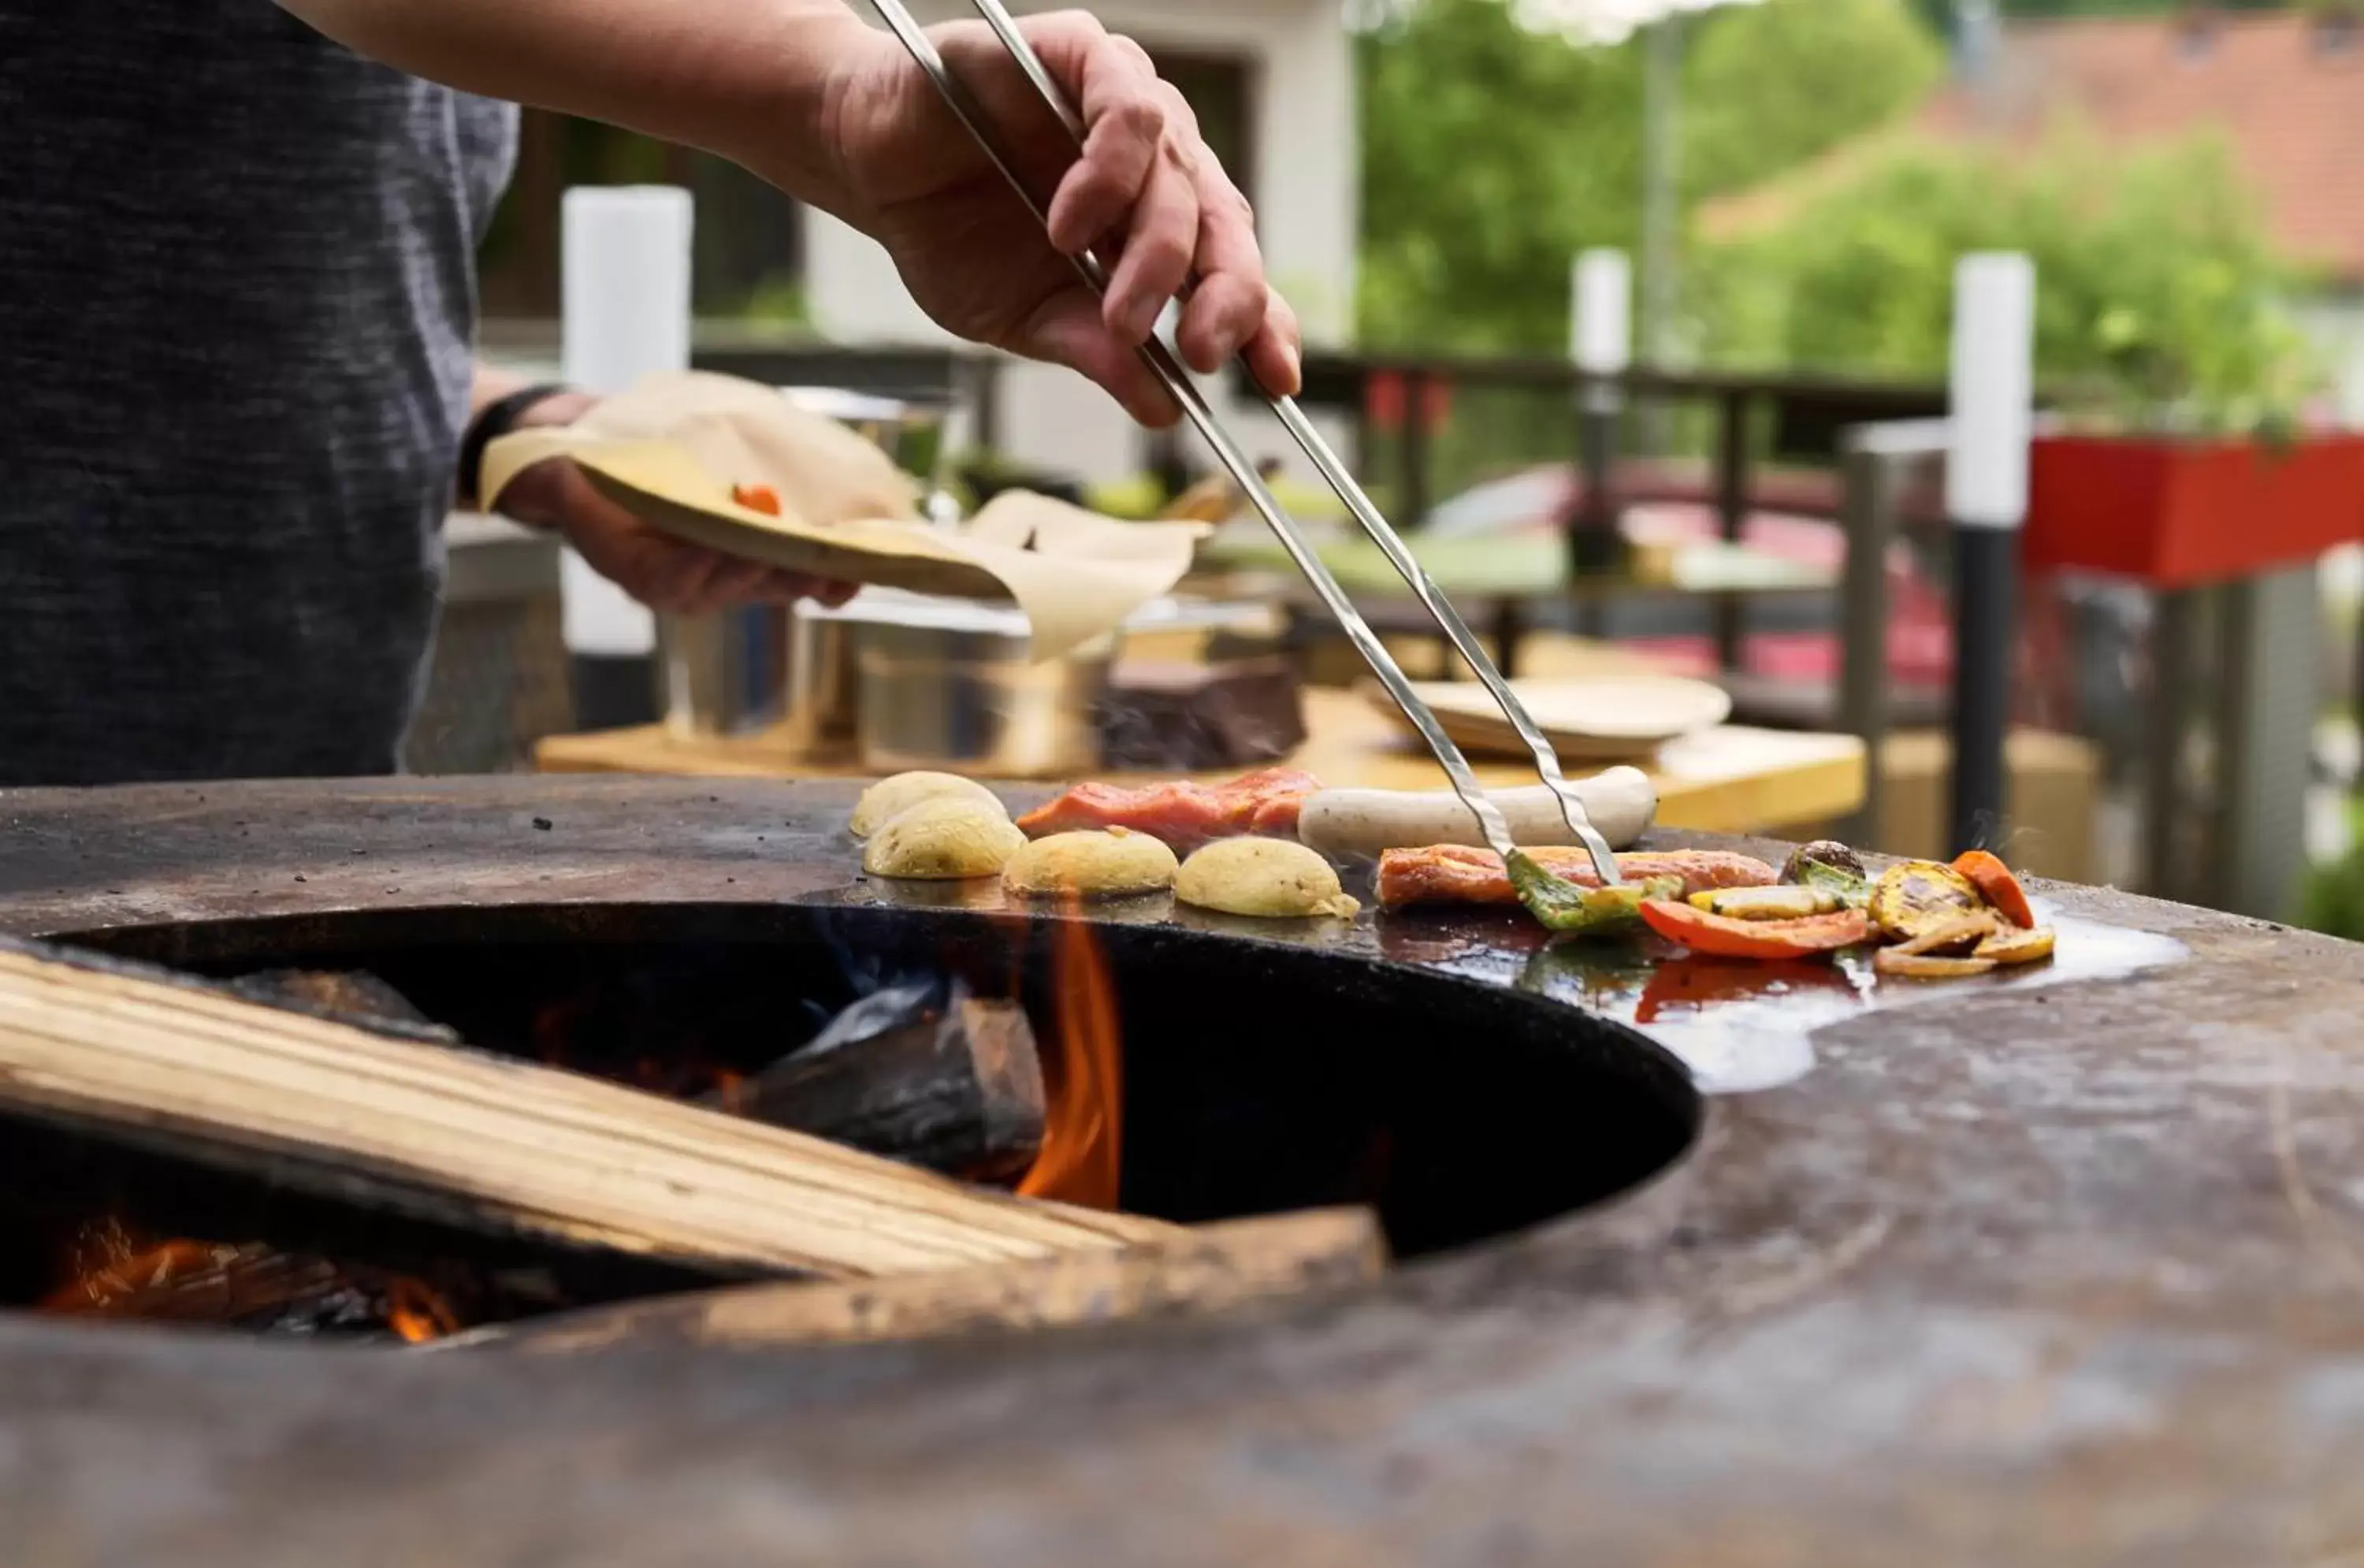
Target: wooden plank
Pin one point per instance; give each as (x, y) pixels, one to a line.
(1728, 780)
(490, 1143)
(1205, 1270)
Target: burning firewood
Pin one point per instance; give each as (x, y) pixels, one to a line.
(249, 1285)
(923, 1073)
(352, 995)
(494, 1147)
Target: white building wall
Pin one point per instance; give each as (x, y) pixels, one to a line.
(1306, 186)
(2335, 326)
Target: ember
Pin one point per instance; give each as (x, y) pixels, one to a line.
(117, 1272)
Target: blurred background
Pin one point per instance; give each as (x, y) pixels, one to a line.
(1775, 195)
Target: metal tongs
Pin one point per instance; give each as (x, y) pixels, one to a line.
(1177, 381)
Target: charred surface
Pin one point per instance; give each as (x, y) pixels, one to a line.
(926, 1073)
(2062, 1272)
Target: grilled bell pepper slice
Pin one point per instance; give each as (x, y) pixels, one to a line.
(1722, 936)
(757, 498)
(1994, 881)
(1852, 890)
(1565, 907)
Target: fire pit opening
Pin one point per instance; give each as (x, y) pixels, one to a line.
(1191, 1076)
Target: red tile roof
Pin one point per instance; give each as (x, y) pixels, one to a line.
(2285, 92)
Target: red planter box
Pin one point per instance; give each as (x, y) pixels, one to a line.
(2175, 514)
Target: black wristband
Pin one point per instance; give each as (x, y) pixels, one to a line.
(497, 419)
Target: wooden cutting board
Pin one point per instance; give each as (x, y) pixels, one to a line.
(1599, 719)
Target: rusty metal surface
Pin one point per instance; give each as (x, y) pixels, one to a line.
(2064, 1273)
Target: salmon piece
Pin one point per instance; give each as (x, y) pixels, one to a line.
(1182, 814)
(1454, 873)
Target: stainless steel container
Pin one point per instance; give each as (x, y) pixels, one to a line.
(822, 697)
(721, 671)
(946, 683)
(895, 680)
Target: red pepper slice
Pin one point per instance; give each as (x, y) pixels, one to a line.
(1997, 885)
(1724, 937)
(757, 498)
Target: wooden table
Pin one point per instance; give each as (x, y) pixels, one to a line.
(1498, 580)
(1523, 565)
(1727, 780)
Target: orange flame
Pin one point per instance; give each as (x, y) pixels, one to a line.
(112, 1267)
(418, 1312)
(1084, 1077)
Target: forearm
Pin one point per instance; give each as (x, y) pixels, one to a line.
(701, 72)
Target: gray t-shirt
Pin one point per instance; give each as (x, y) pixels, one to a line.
(237, 304)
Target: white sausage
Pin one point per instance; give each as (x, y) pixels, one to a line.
(1349, 824)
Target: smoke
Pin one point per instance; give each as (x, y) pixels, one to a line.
(887, 1008)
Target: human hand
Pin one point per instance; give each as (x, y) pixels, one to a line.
(1147, 191)
(662, 571)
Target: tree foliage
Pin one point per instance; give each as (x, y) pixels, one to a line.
(2158, 288)
(1491, 155)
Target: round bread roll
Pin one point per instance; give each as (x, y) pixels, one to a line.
(889, 798)
(1269, 879)
(943, 839)
(1114, 864)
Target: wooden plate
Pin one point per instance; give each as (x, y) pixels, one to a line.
(1607, 716)
(662, 487)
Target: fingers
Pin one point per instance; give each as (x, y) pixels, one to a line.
(1229, 308)
(1158, 251)
(1137, 175)
(660, 571)
(683, 579)
(1148, 193)
(1124, 129)
(1275, 355)
(1069, 330)
(828, 593)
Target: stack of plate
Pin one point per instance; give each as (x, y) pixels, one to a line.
(1603, 719)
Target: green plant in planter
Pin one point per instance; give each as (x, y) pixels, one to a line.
(2332, 900)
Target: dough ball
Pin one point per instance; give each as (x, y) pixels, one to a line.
(1113, 864)
(889, 798)
(1272, 879)
(943, 839)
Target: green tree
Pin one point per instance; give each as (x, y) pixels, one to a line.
(1768, 87)
(1491, 155)
(2158, 288)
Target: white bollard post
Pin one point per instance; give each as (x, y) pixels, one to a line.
(1993, 377)
(626, 284)
(1601, 333)
(1602, 324)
